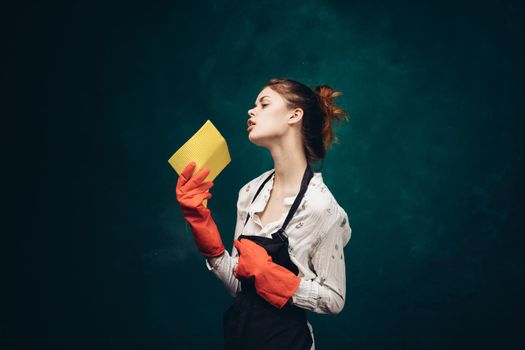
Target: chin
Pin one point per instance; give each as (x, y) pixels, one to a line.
(259, 141)
(254, 139)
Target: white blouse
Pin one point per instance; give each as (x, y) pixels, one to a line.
(317, 234)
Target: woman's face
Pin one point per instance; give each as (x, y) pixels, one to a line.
(270, 115)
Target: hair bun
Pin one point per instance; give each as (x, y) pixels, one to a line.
(326, 96)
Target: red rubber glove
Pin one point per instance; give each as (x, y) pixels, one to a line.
(191, 192)
(273, 282)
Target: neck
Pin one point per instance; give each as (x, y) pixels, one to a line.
(289, 166)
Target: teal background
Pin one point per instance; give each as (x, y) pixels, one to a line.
(429, 168)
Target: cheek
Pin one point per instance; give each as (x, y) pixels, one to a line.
(269, 126)
(276, 119)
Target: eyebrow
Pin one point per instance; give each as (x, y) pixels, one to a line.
(260, 99)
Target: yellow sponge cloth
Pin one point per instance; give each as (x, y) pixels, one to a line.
(207, 148)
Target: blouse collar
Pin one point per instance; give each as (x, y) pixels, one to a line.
(260, 202)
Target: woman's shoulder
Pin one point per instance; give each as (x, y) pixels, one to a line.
(319, 195)
(328, 208)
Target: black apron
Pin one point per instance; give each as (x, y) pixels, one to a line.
(253, 323)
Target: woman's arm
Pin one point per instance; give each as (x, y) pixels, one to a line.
(326, 292)
(212, 261)
(223, 267)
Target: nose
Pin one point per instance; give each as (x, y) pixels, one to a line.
(251, 113)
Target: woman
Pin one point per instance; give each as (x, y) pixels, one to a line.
(288, 242)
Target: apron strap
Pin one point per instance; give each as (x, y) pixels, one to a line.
(307, 176)
(257, 193)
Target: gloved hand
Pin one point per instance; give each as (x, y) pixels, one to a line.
(273, 282)
(191, 192)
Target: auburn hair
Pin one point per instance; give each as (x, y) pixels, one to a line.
(318, 113)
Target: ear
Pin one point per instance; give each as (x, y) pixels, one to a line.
(297, 116)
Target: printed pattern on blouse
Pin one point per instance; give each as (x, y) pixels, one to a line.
(317, 234)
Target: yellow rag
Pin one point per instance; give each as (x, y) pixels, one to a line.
(207, 148)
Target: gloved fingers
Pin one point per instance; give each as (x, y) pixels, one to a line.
(194, 201)
(241, 245)
(252, 247)
(183, 196)
(236, 271)
(207, 195)
(203, 187)
(187, 180)
(200, 197)
(185, 175)
(238, 245)
(241, 270)
(196, 179)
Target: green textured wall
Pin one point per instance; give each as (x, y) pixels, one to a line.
(429, 168)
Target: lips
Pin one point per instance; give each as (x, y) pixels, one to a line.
(251, 124)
